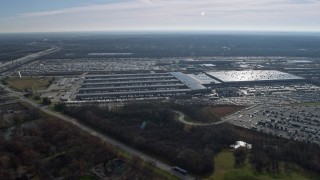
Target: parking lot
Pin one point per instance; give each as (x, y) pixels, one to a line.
(56, 66)
(63, 88)
(298, 122)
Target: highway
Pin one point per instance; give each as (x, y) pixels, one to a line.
(17, 62)
(101, 136)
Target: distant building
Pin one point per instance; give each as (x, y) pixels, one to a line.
(252, 76)
(66, 96)
(143, 85)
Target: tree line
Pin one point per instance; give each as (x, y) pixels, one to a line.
(152, 128)
(51, 149)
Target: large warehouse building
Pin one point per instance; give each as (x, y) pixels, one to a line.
(132, 86)
(252, 76)
(160, 85)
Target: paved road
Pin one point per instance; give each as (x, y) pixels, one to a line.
(8, 102)
(18, 62)
(103, 137)
(181, 119)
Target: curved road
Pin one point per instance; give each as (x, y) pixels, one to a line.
(103, 137)
(181, 119)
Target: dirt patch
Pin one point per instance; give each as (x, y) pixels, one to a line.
(33, 83)
(223, 111)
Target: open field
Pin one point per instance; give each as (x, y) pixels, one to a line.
(308, 104)
(225, 170)
(33, 83)
(207, 114)
(223, 111)
(197, 113)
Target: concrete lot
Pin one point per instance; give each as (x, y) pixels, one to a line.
(57, 90)
(87, 65)
(298, 122)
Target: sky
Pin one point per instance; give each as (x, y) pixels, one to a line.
(159, 15)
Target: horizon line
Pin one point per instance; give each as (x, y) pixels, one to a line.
(165, 31)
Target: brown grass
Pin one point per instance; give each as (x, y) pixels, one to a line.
(225, 110)
(33, 83)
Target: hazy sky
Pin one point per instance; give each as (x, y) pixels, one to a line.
(129, 15)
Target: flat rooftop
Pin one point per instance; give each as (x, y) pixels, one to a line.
(110, 86)
(189, 81)
(133, 93)
(204, 79)
(127, 83)
(252, 76)
(126, 75)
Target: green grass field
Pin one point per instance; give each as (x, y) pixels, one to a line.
(308, 104)
(208, 114)
(33, 83)
(225, 170)
(200, 114)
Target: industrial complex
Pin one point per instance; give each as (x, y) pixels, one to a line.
(187, 98)
(112, 82)
(137, 86)
(252, 76)
(150, 85)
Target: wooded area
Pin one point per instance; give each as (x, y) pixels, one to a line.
(47, 148)
(152, 128)
(161, 135)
